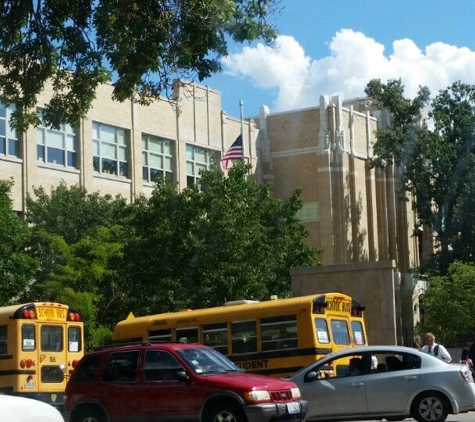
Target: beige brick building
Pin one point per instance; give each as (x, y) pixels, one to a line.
(351, 211)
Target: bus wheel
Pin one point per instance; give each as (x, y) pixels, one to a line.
(92, 415)
(225, 413)
(430, 407)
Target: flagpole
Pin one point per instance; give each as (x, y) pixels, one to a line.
(241, 104)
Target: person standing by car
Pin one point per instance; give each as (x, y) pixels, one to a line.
(434, 349)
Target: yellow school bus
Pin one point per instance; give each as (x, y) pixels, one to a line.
(40, 344)
(275, 337)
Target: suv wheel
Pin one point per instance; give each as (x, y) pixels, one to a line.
(91, 415)
(225, 413)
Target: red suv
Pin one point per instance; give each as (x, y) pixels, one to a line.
(175, 381)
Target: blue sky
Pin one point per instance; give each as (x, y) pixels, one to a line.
(336, 47)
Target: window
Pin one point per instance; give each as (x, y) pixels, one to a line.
(56, 146)
(340, 332)
(87, 371)
(160, 335)
(51, 338)
(3, 340)
(28, 340)
(187, 335)
(160, 366)
(279, 332)
(121, 367)
(9, 144)
(322, 331)
(110, 153)
(216, 336)
(74, 339)
(358, 334)
(244, 337)
(196, 159)
(156, 158)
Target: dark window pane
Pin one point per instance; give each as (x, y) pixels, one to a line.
(95, 163)
(41, 152)
(109, 166)
(56, 156)
(145, 173)
(13, 147)
(154, 173)
(71, 159)
(2, 145)
(123, 169)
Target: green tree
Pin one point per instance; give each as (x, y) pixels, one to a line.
(228, 238)
(141, 45)
(78, 238)
(17, 268)
(449, 304)
(436, 163)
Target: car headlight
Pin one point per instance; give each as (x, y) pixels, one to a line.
(257, 396)
(296, 393)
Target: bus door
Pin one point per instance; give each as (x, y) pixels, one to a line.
(52, 356)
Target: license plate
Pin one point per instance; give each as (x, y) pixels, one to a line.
(293, 408)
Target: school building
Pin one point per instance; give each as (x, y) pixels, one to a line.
(353, 212)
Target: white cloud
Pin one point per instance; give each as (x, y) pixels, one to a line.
(354, 59)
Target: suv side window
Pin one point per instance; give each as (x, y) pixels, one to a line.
(121, 367)
(88, 369)
(160, 366)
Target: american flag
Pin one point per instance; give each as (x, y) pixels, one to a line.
(234, 153)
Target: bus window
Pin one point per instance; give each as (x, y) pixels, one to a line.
(74, 339)
(340, 331)
(322, 331)
(51, 338)
(3, 340)
(279, 332)
(244, 337)
(216, 336)
(358, 333)
(28, 337)
(160, 335)
(187, 335)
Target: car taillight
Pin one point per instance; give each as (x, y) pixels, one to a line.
(466, 374)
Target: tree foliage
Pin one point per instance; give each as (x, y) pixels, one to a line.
(449, 304)
(227, 239)
(437, 161)
(16, 266)
(141, 45)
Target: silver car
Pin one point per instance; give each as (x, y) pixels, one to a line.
(385, 382)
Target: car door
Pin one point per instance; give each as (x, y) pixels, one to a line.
(162, 393)
(388, 391)
(339, 394)
(120, 384)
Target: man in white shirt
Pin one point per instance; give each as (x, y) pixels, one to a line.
(434, 349)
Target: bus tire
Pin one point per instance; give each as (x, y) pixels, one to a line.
(224, 413)
(430, 406)
(89, 415)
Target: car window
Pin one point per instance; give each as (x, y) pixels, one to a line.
(121, 367)
(348, 365)
(390, 362)
(160, 366)
(88, 368)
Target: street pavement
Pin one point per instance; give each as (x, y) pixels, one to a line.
(462, 417)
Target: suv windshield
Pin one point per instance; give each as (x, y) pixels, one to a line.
(207, 361)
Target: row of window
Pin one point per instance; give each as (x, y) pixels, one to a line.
(110, 150)
(275, 333)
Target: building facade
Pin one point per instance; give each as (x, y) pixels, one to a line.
(119, 148)
(351, 210)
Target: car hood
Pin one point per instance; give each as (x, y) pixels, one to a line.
(19, 409)
(247, 381)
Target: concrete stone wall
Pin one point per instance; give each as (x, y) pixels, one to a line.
(374, 284)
